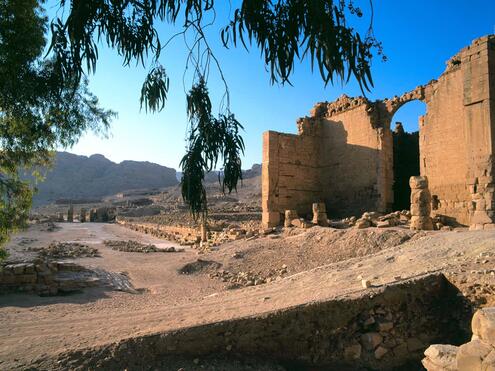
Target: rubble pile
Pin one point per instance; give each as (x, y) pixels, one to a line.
(190, 236)
(45, 277)
(478, 354)
(65, 250)
(134, 246)
(245, 279)
(375, 219)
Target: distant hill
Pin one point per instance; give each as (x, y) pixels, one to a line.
(81, 177)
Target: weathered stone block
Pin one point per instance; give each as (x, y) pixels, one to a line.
(319, 207)
(421, 223)
(418, 182)
(441, 357)
(470, 355)
(289, 216)
(483, 325)
(488, 363)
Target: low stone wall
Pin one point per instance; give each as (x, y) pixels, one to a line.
(384, 329)
(42, 277)
(182, 235)
(190, 236)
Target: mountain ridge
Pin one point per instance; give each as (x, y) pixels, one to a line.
(77, 177)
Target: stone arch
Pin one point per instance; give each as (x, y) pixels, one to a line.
(390, 106)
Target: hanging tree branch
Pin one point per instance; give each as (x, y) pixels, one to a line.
(285, 31)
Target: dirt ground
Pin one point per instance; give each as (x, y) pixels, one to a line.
(321, 264)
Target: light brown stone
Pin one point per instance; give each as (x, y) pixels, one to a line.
(470, 355)
(421, 223)
(483, 325)
(443, 357)
(418, 182)
(343, 153)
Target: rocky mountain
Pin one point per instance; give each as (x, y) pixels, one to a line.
(81, 177)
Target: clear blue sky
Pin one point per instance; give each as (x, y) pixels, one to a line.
(418, 38)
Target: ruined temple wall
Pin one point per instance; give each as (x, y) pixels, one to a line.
(443, 147)
(479, 99)
(356, 163)
(455, 136)
(290, 175)
(343, 154)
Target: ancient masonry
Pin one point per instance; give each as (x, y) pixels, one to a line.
(478, 354)
(343, 153)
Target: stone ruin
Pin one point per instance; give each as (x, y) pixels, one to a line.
(83, 215)
(70, 214)
(343, 154)
(420, 204)
(477, 354)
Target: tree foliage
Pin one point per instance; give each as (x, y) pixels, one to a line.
(40, 108)
(285, 31)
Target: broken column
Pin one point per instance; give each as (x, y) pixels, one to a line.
(290, 215)
(60, 217)
(82, 216)
(420, 203)
(92, 215)
(320, 214)
(482, 210)
(70, 214)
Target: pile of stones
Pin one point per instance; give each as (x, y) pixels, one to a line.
(478, 354)
(49, 226)
(245, 279)
(65, 250)
(134, 246)
(375, 219)
(320, 218)
(45, 277)
(378, 334)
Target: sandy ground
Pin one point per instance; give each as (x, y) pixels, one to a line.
(34, 328)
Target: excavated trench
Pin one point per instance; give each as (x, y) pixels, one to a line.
(379, 329)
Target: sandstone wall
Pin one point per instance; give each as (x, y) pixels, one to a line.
(356, 163)
(455, 137)
(290, 177)
(343, 155)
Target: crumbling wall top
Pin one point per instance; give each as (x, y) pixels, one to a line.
(342, 104)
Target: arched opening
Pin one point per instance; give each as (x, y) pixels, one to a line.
(405, 127)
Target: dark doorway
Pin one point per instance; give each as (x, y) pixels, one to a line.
(406, 164)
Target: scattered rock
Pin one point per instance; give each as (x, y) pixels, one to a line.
(134, 246)
(64, 250)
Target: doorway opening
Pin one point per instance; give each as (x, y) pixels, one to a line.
(406, 150)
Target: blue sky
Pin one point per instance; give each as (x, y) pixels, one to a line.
(418, 38)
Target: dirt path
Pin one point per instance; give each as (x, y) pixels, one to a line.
(33, 328)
